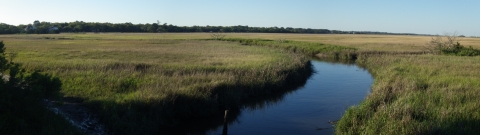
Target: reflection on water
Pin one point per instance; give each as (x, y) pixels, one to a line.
(323, 98)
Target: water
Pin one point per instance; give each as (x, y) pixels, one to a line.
(324, 98)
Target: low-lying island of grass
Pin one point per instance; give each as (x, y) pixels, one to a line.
(146, 85)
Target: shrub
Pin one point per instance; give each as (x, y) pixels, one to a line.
(449, 45)
(468, 52)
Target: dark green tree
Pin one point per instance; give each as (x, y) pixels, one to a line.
(3, 60)
(153, 28)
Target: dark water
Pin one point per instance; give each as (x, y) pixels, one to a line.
(325, 97)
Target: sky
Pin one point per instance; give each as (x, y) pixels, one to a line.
(396, 16)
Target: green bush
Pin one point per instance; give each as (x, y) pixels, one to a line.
(460, 50)
(449, 45)
(468, 52)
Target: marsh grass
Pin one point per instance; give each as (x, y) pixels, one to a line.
(362, 42)
(143, 84)
(379, 43)
(384, 43)
(418, 94)
(413, 92)
(306, 48)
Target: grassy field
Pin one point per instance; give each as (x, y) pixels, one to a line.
(361, 42)
(412, 94)
(142, 82)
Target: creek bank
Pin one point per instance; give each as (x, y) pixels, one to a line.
(73, 110)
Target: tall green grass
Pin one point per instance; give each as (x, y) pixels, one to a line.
(418, 94)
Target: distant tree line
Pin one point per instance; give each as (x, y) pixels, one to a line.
(80, 26)
(9, 29)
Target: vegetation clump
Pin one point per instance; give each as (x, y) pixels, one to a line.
(449, 45)
(217, 36)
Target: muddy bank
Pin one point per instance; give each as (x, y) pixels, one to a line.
(73, 110)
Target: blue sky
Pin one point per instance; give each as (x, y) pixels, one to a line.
(405, 16)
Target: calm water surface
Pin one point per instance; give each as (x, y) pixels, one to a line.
(325, 97)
